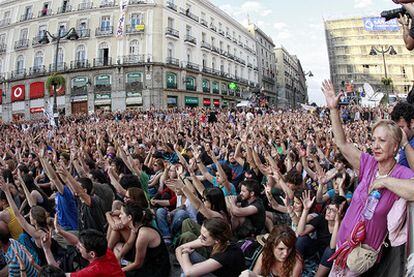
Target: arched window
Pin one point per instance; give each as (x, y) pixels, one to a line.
(38, 60)
(134, 47)
(103, 54)
(170, 50)
(80, 54)
(20, 64)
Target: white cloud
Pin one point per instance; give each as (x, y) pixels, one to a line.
(279, 25)
(359, 4)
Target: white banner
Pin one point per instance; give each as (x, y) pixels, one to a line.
(121, 23)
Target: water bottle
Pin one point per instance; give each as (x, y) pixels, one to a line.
(371, 204)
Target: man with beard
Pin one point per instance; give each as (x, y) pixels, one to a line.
(248, 219)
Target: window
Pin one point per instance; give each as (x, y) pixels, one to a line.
(80, 54)
(38, 60)
(105, 22)
(213, 63)
(203, 15)
(62, 29)
(134, 47)
(2, 39)
(60, 58)
(188, 30)
(42, 30)
(204, 60)
(171, 79)
(190, 83)
(170, 23)
(188, 55)
(23, 34)
(206, 85)
(20, 64)
(203, 37)
(170, 50)
(136, 19)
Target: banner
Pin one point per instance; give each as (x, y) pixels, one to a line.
(121, 23)
(373, 24)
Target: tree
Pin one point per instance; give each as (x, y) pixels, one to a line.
(55, 80)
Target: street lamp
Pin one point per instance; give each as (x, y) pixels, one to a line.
(309, 73)
(384, 50)
(71, 35)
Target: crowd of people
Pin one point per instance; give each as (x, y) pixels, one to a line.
(199, 192)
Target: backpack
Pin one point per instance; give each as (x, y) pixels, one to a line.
(251, 251)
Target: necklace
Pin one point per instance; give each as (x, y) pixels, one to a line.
(378, 176)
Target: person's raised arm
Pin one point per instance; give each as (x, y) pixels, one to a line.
(303, 228)
(51, 173)
(203, 168)
(408, 39)
(350, 152)
(75, 186)
(22, 221)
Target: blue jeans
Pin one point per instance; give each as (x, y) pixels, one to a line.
(178, 217)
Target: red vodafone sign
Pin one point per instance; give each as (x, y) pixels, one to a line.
(18, 93)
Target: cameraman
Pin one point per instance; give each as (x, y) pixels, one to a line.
(408, 33)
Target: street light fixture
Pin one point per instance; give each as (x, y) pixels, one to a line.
(309, 73)
(384, 50)
(71, 35)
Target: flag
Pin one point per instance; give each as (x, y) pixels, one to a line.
(121, 22)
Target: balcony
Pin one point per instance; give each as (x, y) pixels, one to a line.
(230, 56)
(83, 33)
(3, 48)
(235, 40)
(103, 88)
(172, 6)
(133, 59)
(25, 17)
(215, 49)
(21, 44)
(64, 9)
(104, 31)
(105, 4)
(268, 79)
(102, 62)
(135, 29)
(173, 61)
(205, 45)
(78, 64)
(85, 6)
(240, 43)
(75, 91)
(137, 2)
(5, 22)
(191, 40)
(61, 66)
(223, 53)
(18, 73)
(212, 27)
(189, 14)
(249, 65)
(36, 41)
(172, 32)
(37, 70)
(204, 22)
(45, 12)
(191, 66)
(207, 70)
(221, 32)
(216, 72)
(228, 35)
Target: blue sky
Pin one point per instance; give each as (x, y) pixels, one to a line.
(298, 26)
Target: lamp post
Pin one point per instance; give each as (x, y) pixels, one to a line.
(71, 35)
(384, 50)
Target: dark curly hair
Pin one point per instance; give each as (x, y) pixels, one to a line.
(281, 233)
(403, 110)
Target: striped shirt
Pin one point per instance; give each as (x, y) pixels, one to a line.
(13, 263)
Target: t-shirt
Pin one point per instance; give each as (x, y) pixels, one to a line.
(66, 209)
(257, 219)
(144, 179)
(106, 266)
(323, 236)
(331, 193)
(232, 260)
(224, 189)
(92, 217)
(402, 160)
(13, 263)
(106, 194)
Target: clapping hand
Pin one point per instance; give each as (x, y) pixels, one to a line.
(306, 200)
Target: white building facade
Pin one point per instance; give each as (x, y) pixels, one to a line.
(168, 54)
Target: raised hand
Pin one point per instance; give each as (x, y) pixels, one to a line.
(306, 200)
(332, 100)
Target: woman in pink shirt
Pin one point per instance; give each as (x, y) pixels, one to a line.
(386, 137)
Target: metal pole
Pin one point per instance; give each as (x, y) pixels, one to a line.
(55, 110)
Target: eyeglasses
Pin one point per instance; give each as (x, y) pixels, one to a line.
(329, 209)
